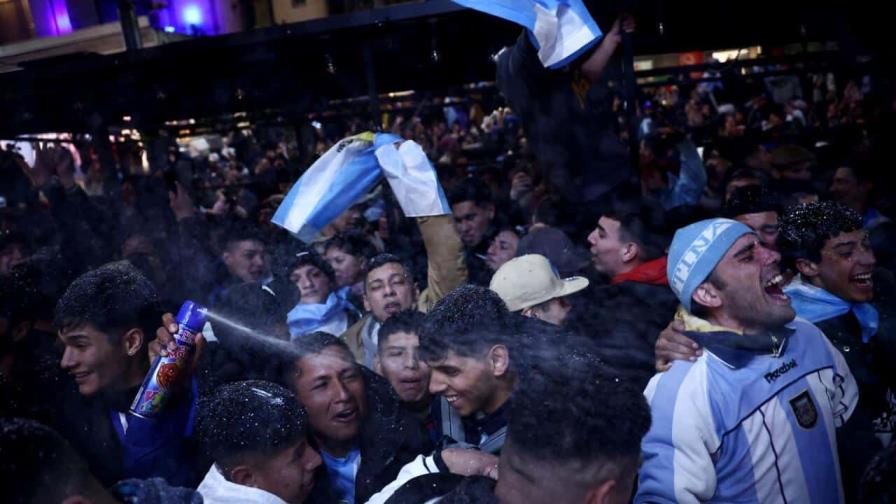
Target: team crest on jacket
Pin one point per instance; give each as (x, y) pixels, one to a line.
(804, 410)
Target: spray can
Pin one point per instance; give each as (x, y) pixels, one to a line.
(166, 370)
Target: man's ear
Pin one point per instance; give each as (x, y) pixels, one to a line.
(499, 359)
(226, 257)
(707, 295)
(377, 365)
(243, 475)
(807, 268)
(133, 341)
(530, 312)
(366, 302)
(602, 494)
(630, 252)
(490, 210)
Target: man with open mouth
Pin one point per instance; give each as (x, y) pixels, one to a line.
(840, 290)
(398, 361)
(836, 290)
(755, 417)
(363, 435)
(389, 285)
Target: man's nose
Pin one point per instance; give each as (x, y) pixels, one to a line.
(68, 361)
(436, 385)
(769, 256)
(866, 256)
(592, 238)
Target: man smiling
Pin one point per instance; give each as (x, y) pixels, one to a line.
(464, 342)
(106, 319)
(835, 289)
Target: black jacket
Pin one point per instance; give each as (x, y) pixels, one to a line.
(585, 162)
(390, 438)
(873, 365)
(625, 319)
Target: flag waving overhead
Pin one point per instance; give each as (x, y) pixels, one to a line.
(331, 185)
(413, 180)
(561, 30)
(348, 171)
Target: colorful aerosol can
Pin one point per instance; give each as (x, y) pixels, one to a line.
(166, 370)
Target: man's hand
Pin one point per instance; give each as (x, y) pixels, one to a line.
(673, 345)
(594, 66)
(520, 186)
(221, 205)
(181, 203)
(44, 165)
(164, 343)
(623, 24)
(469, 462)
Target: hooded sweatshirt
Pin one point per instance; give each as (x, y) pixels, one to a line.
(215, 489)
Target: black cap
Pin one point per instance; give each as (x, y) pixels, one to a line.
(557, 247)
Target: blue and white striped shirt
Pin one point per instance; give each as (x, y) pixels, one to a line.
(754, 427)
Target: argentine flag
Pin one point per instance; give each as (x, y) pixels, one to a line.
(413, 179)
(349, 170)
(561, 30)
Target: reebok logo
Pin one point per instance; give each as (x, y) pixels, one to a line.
(774, 375)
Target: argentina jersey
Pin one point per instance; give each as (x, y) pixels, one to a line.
(741, 425)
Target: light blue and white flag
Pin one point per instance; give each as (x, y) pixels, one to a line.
(348, 171)
(413, 179)
(331, 185)
(561, 30)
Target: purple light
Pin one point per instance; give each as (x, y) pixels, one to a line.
(192, 15)
(51, 18)
(60, 14)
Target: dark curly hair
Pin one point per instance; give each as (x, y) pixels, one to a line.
(468, 321)
(311, 257)
(352, 243)
(380, 260)
(750, 199)
(249, 420)
(37, 464)
(240, 231)
(557, 418)
(470, 190)
(806, 228)
(408, 321)
(113, 298)
(312, 343)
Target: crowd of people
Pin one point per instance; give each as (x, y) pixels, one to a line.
(710, 322)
